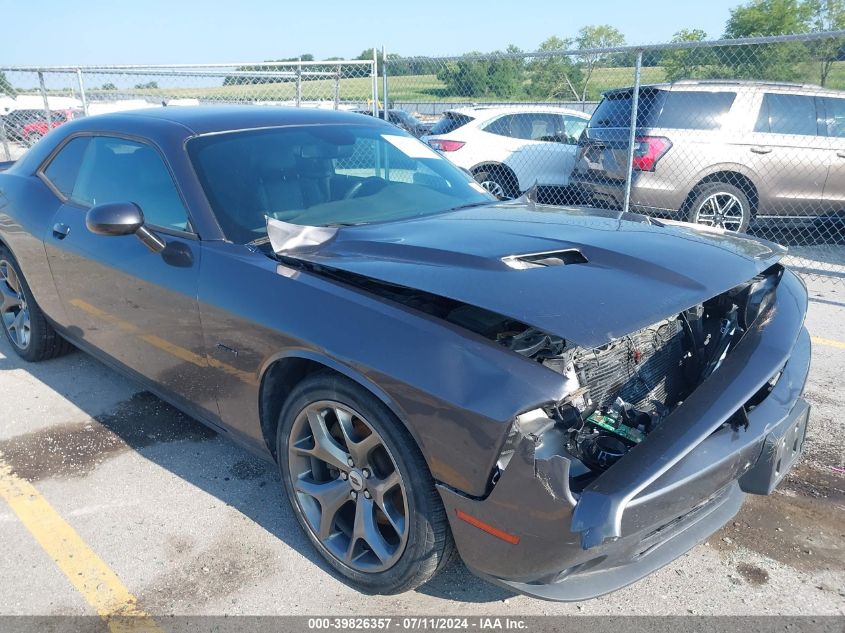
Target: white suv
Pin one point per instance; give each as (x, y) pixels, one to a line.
(510, 149)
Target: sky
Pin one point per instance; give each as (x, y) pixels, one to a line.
(90, 32)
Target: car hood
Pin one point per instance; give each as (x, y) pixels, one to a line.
(609, 273)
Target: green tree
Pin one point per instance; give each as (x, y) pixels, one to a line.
(108, 86)
(505, 75)
(465, 77)
(480, 75)
(6, 87)
(757, 18)
(767, 17)
(592, 37)
(687, 63)
(554, 77)
(826, 15)
(150, 85)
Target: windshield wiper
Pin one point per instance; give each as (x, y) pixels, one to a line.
(471, 205)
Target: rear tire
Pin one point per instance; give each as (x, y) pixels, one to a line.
(392, 534)
(24, 324)
(499, 181)
(721, 205)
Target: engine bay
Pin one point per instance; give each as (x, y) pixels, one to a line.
(620, 392)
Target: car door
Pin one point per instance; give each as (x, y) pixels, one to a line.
(137, 306)
(834, 190)
(567, 132)
(788, 149)
(533, 151)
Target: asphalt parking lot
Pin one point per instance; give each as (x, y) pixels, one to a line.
(169, 518)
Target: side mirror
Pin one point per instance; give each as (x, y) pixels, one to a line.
(122, 218)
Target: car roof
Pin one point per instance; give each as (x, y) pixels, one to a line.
(211, 119)
(476, 112)
(733, 84)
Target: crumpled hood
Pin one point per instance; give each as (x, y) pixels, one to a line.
(631, 271)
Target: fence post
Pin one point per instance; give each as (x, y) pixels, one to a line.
(375, 82)
(82, 92)
(4, 140)
(299, 84)
(384, 79)
(46, 101)
(635, 104)
(337, 87)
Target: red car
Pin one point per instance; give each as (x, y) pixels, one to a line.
(32, 132)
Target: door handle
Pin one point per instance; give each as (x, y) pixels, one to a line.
(758, 149)
(840, 154)
(60, 230)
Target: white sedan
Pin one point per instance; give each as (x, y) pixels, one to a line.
(510, 149)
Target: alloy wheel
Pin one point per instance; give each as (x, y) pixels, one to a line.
(495, 188)
(721, 209)
(347, 487)
(13, 307)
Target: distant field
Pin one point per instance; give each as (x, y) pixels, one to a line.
(410, 88)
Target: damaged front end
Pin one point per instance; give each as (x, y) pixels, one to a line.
(650, 451)
(620, 392)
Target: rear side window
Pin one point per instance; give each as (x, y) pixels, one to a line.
(615, 109)
(695, 110)
(450, 122)
(788, 114)
(63, 169)
(835, 115)
(538, 126)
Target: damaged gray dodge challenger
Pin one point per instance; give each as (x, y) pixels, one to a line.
(571, 398)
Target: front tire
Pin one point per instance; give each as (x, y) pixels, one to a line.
(24, 324)
(499, 181)
(360, 487)
(721, 205)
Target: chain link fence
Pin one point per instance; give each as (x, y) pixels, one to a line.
(747, 135)
(39, 99)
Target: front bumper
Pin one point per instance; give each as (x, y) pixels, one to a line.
(574, 547)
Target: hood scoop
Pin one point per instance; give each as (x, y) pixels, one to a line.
(545, 260)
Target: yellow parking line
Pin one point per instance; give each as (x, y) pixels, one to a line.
(86, 571)
(817, 340)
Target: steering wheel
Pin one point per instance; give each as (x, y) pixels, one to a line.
(372, 184)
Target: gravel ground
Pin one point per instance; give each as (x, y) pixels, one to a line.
(192, 524)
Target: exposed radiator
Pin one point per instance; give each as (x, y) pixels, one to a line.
(638, 368)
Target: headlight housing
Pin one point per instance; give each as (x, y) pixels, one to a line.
(759, 297)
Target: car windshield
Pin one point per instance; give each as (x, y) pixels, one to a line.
(325, 175)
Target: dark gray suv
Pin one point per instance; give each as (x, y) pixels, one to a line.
(719, 152)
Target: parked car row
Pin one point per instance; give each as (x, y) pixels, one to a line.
(718, 153)
(30, 125)
(403, 120)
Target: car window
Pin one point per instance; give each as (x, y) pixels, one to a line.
(64, 167)
(450, 122)
(534, 126)
(614, 111)
(120, 170)
(835, 115)
(572, 127)
(325, 175)
(788, 114)
(695, 109)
